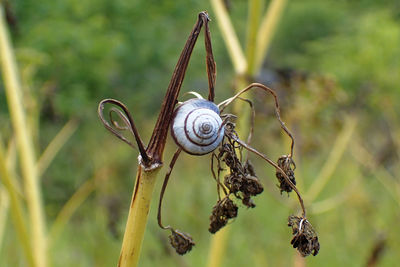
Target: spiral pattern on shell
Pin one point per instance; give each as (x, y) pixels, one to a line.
(197, 127)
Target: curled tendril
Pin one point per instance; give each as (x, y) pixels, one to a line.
(228, 101)
(121, 116)
(123, 113)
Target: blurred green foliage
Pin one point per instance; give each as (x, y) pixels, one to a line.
(329, 59)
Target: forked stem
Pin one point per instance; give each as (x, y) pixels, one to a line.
(128, 120)
(249, 148)
(228, 101)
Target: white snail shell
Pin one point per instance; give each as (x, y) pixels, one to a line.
(197, 127)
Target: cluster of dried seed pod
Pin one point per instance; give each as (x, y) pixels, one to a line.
(244, 185)
(241, 182)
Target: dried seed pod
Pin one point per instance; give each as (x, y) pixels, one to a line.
(247, 201)
(224, 210)
(251, 186)
(305, 238)
(249, 168)
(182, 242)
(233, 182)
(228, 155)
(243, 182)
(286, 163)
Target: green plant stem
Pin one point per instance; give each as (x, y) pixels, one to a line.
(11, 159)
(253, 21)
(365, 158)
(69, 208)
(4, 207)
(229, 35)
(55, 145)
(267, 30)
(217, 248)
(17, 214)
(137, 217)
(340, 145)
(25, 146)
(337, 200)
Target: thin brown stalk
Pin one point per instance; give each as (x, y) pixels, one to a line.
(164, 186)
(276, 167)
(225, 103)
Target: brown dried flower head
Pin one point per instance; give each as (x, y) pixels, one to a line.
(181, 242)
(286, 163)
(241, 181)
(305, 238)
(224, 210)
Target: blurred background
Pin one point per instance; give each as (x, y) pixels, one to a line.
(335, 65)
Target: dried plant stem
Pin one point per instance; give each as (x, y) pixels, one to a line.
(267, 30)
(228, 101)
(137, 218)
(17, 213)
(277, 168)
(231, 40)
(164, 186)
(25, 145)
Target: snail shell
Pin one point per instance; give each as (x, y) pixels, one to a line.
(197, 127)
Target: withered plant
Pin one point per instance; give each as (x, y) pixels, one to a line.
(201, 127)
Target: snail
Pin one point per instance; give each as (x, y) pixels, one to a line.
(197, 127)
